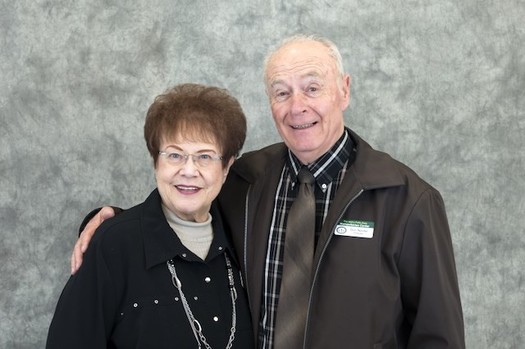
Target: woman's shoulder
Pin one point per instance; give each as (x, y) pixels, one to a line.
(123, 226)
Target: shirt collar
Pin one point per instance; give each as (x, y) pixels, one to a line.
(162, 244)
(327, 167)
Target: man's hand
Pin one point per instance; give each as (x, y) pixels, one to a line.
(86, 235)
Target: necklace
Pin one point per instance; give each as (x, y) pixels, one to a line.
(194, 323)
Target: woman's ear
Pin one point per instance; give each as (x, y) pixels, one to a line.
(227, 168)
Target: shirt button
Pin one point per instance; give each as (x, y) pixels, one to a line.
(220, 248)
(156, 301)
(196, 298)
(135, 305)
(215, 318)
(184, 255)
(207, 279)
(176, 299)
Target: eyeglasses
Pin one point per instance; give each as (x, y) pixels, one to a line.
(199, 159)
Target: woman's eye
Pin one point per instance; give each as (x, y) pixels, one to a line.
(175, 156)
(205, 156)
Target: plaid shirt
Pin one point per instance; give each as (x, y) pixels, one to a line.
(328, 171)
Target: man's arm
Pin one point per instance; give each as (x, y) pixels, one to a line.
(429, 284)
(96, 218)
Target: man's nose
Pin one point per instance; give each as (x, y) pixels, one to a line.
(298, 103)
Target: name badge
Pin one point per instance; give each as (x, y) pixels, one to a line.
(357, 229)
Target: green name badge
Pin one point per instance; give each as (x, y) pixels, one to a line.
(357, 229)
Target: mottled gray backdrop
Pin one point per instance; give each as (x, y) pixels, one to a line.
(440, 85)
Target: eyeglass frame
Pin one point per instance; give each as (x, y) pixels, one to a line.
(196, 157)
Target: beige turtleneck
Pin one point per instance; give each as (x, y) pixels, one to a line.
(197, 237)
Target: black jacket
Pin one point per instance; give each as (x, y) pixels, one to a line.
(123, 296)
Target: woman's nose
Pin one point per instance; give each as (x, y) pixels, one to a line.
(189, 167)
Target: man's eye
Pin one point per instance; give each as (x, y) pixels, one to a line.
(280, 95)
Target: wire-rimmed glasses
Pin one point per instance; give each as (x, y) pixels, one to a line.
(178, 158)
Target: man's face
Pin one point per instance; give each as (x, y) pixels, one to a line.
(307, 98)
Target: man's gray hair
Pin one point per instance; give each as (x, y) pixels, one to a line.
(333, 51)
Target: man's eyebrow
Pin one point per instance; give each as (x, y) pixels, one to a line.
(276, 82)
(312, 75)
(307, 75)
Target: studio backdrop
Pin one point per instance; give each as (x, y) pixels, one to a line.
(440, 85)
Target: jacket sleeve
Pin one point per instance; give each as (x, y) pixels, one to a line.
(429, 285)
(84, 315)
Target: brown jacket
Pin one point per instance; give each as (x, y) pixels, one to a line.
(395, 289)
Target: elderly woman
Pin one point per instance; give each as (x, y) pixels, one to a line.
(163, 274)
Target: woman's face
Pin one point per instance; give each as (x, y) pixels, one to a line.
(188, 187)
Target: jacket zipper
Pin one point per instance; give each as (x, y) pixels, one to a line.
(319, 264)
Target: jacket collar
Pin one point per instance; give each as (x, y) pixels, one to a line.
(372, 169)
(162, 244)
(255, 164)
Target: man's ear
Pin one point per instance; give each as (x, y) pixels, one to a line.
(345, 90)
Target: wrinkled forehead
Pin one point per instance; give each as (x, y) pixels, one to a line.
(304, 59)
